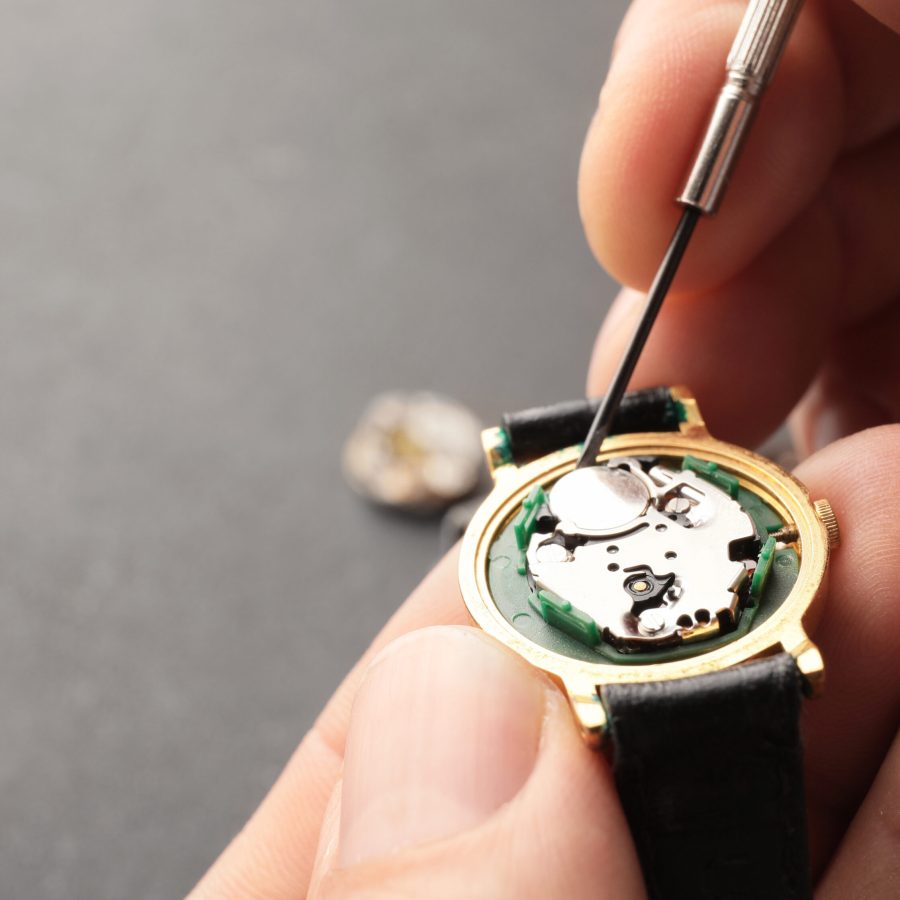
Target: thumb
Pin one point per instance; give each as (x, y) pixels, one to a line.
(465, 775)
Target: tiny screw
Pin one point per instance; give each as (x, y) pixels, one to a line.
(652, 621)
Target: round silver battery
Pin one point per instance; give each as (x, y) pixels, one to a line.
(598, 499)
(414, 451)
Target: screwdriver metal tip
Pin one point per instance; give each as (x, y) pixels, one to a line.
(609, 405)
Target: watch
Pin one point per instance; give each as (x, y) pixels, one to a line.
(669, 589)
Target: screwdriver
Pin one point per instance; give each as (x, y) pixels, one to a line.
(754, 56)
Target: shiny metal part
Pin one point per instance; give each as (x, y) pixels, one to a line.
(825, 514)
(599, 500)
(651, 621)
(786, 535)
(677, 505)
(648, 576)
(551, 552)
(754, 56)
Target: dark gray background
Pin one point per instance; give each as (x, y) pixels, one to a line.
(223, 226)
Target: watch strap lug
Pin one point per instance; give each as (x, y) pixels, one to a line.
(692, 421)
(589, 711)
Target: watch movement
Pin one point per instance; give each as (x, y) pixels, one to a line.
(670, 588)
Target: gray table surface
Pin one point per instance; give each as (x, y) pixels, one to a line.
(224, 226)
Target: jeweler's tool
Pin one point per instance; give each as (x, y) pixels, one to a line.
(751, 63)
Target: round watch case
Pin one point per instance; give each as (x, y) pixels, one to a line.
(498, 600)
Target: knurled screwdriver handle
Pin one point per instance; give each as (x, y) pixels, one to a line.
(754, 56)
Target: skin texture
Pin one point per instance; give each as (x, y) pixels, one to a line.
(792, 294)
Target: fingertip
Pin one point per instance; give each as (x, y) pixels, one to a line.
(445, 729)
(885, 11)
(654, 108)
(722, 343)
(861, 617)
(566, 810)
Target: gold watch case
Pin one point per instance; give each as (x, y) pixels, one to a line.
(787, 629)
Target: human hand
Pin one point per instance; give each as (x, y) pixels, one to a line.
(446, 767)
(795, 286)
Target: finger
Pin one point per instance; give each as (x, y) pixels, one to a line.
(858, 630)
(826, 287)
(275, 850)
(416, 770)
(857, 388)
(667, 69)
(833, 407)
(886, 11)
(436, 601)
(273, 854)
(327, 851)
(747, 350)
(484, 766)
(828, 97)
(864, 196)
(869, 60)
(867, 864)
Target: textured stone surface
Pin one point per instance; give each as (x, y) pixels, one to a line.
(226, 225)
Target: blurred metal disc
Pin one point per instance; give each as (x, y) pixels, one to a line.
(414, 451)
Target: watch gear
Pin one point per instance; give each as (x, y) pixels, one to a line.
(654, 555)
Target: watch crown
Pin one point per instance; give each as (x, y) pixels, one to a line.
(826, 516)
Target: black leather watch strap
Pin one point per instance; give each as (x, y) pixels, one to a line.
(536, 432)
(710, 773)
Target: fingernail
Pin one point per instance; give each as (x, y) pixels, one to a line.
(444, 731)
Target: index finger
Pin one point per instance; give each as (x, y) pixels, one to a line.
(668, 66)
(747, 350)
(801, 249)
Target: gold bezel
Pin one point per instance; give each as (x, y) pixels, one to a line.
(785, 629)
